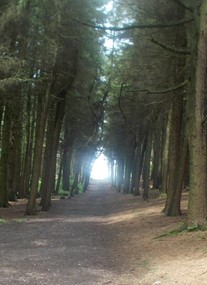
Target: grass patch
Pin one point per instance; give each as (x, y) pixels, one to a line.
(197, 228)
(21, 220)
(163, 195)
(2, 221)
(146, 264)
(182, 229)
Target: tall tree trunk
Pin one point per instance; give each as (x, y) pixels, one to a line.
(197, 135)
(112, 172)
(137, 170)
(146, 169)
(28, 156)
(120, 173)
(175, 206)
(165, 154)
(86, 181)
(31, 206)
(69, 138)
(14, 157)
(51, 149)
(1, 118)
(174, 151)
(176, 122)
(59, 177)
(74, 187)
(4, 156)
(127, 175)
(156, 156)
(46, 202)
(140, 164)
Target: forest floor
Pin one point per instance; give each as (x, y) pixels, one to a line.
(100, 238)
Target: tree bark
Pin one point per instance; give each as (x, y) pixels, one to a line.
(197, 135)
(156, 156)
(174, 151)
(137, 170)
(165, 154)
(28, 153)
(175, 205)
(31, 206)
(146, 169)
(120, 174)
(127, 173)
(4, 157)
(50, 165)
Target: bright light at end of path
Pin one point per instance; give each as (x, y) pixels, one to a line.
(100, 168)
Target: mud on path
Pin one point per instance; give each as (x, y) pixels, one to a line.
(98, 238)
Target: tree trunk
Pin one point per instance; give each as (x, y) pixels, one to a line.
(28, 155)
(74, 187)
(53, 141)
(165, 154)
(31, 206)
(137, 170)
(60, 171)
(146, 169)
(86, 181)
(127, 175)
(174, 151)
(197, 135)
(112, 172)
(120, 173)
(4, 157)
(176, 122)
(1, 118)
(175, 206)
(140, 165)
(156, 157)
(14, 157)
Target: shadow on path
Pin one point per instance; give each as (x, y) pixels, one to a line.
(78, 242)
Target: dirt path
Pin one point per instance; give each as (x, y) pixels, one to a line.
(101, 237)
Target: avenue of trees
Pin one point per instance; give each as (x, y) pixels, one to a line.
(52, 98)
(64, 95)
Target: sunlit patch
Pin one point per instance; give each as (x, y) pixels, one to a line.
(109, 6)
(100, 168)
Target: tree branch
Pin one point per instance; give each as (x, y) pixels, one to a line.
(140, 26)
(170, 48)
(164, 91)
(179, 2)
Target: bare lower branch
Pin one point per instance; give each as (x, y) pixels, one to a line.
(182, 4)
(18, 80)
(164, 91)
(170, 48)
(140, 26)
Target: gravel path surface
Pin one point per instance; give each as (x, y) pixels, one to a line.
(100, 238)
(78, 242)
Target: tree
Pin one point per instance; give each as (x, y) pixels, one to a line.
(197, 131)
